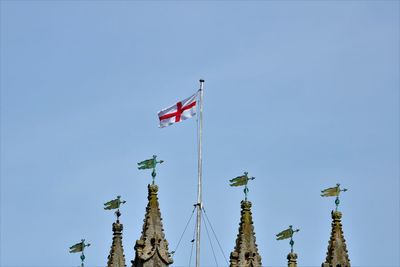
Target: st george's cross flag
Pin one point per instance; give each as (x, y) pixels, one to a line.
(180, 111)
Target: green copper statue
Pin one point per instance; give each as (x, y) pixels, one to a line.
(288, 233)
(150, 164)
(333, 192)
(114, 204)
(240, 181)
(79, 247)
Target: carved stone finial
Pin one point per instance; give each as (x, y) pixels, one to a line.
(246, 205)
(292, 259)
(117, 228)
(336, 215)
(153, 189)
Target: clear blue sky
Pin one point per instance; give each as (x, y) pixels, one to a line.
(301, 94)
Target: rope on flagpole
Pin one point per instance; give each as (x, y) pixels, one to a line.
(211, 245)
(215, 236)
(184, 231)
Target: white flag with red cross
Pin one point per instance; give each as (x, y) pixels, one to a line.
(180, 111)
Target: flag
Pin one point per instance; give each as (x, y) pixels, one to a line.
(147, 164)
(180, 111)
(239, 181)
(288, 233)
(114, 204)
(78, 247)
(330, 192)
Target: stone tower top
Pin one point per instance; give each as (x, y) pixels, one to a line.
(245, 253)
(116, 257)
(152, 247)
(337, 254)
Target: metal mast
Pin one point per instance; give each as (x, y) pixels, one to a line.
(199, 185)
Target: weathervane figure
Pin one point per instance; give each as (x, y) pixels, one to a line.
(150, 164)
(288, 233)
(79, 247)
(240, 181)
(114, 204)
(333, 192)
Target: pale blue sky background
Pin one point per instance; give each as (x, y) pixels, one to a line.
(302, 94)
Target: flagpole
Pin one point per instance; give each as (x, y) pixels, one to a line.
(199, 185)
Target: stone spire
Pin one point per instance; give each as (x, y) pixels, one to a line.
(337, 252)
(116, 257)
(245, 253)
(292, 259)
(151, 250)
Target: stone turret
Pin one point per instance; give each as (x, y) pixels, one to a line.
(245, 253)
(116, 257)
(151, 250)
(337, 255)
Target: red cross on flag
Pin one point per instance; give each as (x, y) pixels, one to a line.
(180, 111)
